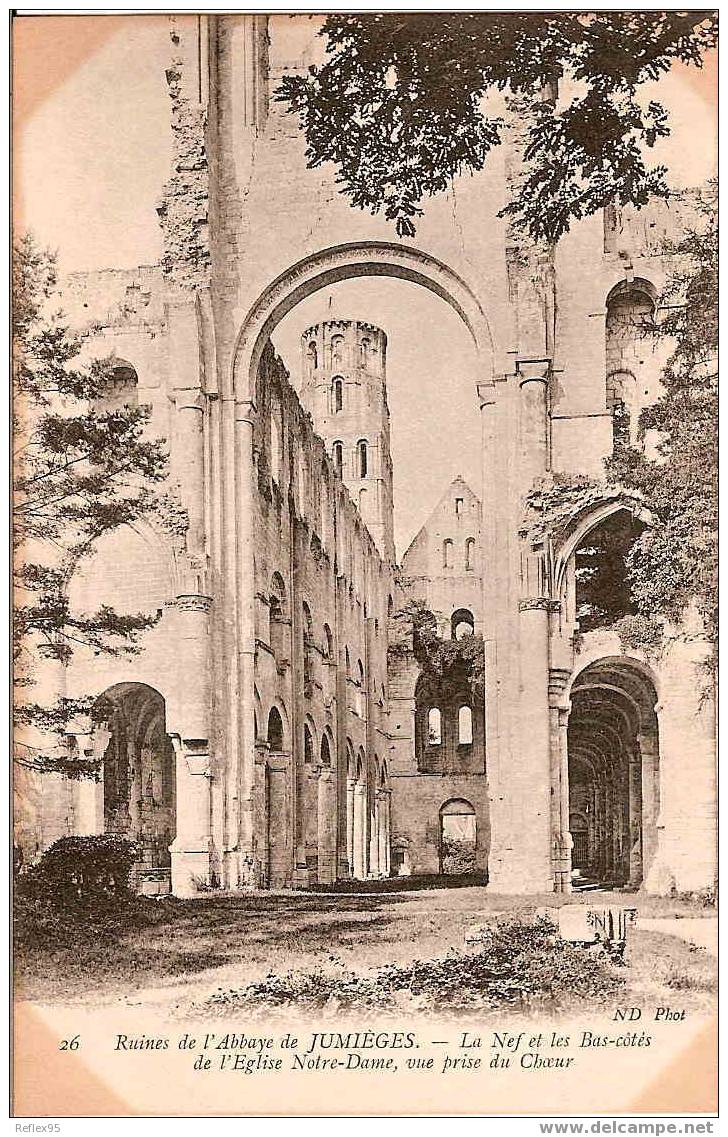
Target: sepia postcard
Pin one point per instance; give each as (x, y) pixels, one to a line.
(365, 562)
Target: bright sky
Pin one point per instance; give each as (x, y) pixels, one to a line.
(91, 152)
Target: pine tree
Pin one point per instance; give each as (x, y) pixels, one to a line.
(79, 471)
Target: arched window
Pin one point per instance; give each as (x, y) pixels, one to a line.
(308, 648)
(462, 623)
(347, 662)
(629, 339)
(465, 726)
(275, 730)
(337, 349)
(365, 346)
(469, 553)
(362, 458)
(328, 643)
(337, 394)
(312, 354)
(338, 454)
(447, 553)
(434, 727)
(325, 752)
(118, 389)
(277, 616)
(360, 694)
(307, 745)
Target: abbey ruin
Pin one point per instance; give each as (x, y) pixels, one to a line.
(267, 735)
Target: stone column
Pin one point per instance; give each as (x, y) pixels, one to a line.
(561, 840)
(635, 817)
(326, 827)
(350, 789)
(190, 850)
(190, 464)
(383, 831)
(650, 800)
(245, 543)
(534, 425)
(189, 726)
(360, 831)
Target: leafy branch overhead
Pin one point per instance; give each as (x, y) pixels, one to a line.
(405, 102)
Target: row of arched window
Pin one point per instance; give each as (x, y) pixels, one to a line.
(278, 640)
(361, 458)
(340, 353)
(448, 553)
(464, 731)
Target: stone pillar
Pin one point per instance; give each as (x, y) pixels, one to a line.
(561, 840)
(360, 831)
(635, 817)
(530, 780)
(650, 799)
(534, 424)
(190, 850)
(245, 543)
(189, 462)
(383, 831)
(188, 713)
(350, 789)
(326, 827)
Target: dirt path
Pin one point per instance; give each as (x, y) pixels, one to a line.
(700, 931)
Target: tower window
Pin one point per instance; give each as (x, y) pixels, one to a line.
(459, 503)
(462, 623)
(365, 352)
(469, 552)
(312, 356)
(337, 389)
(337, 349)
(362, 458)
(338, 453)
(434, 727)
(465, 726)
(447, 553)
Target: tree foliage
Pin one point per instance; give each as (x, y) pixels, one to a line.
(401, 106)
(414, 630)
(79, 472)
(675, 560)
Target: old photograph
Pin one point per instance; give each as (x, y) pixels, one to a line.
(365, 563)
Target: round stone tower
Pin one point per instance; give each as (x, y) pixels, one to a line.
(344, 387)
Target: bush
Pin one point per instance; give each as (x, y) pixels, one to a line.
(457, 856)
(520, 965)
(81, 872)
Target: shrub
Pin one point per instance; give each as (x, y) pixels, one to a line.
(81, 872)
(521, 964)
(457, 856)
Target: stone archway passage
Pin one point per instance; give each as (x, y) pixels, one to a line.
(613, 771)
(139, 779)
(458, 837)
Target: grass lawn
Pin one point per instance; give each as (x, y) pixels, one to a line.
(176, 953)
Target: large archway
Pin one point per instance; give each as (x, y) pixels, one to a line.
(342, 262)
(139, 789)
(613, 771)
